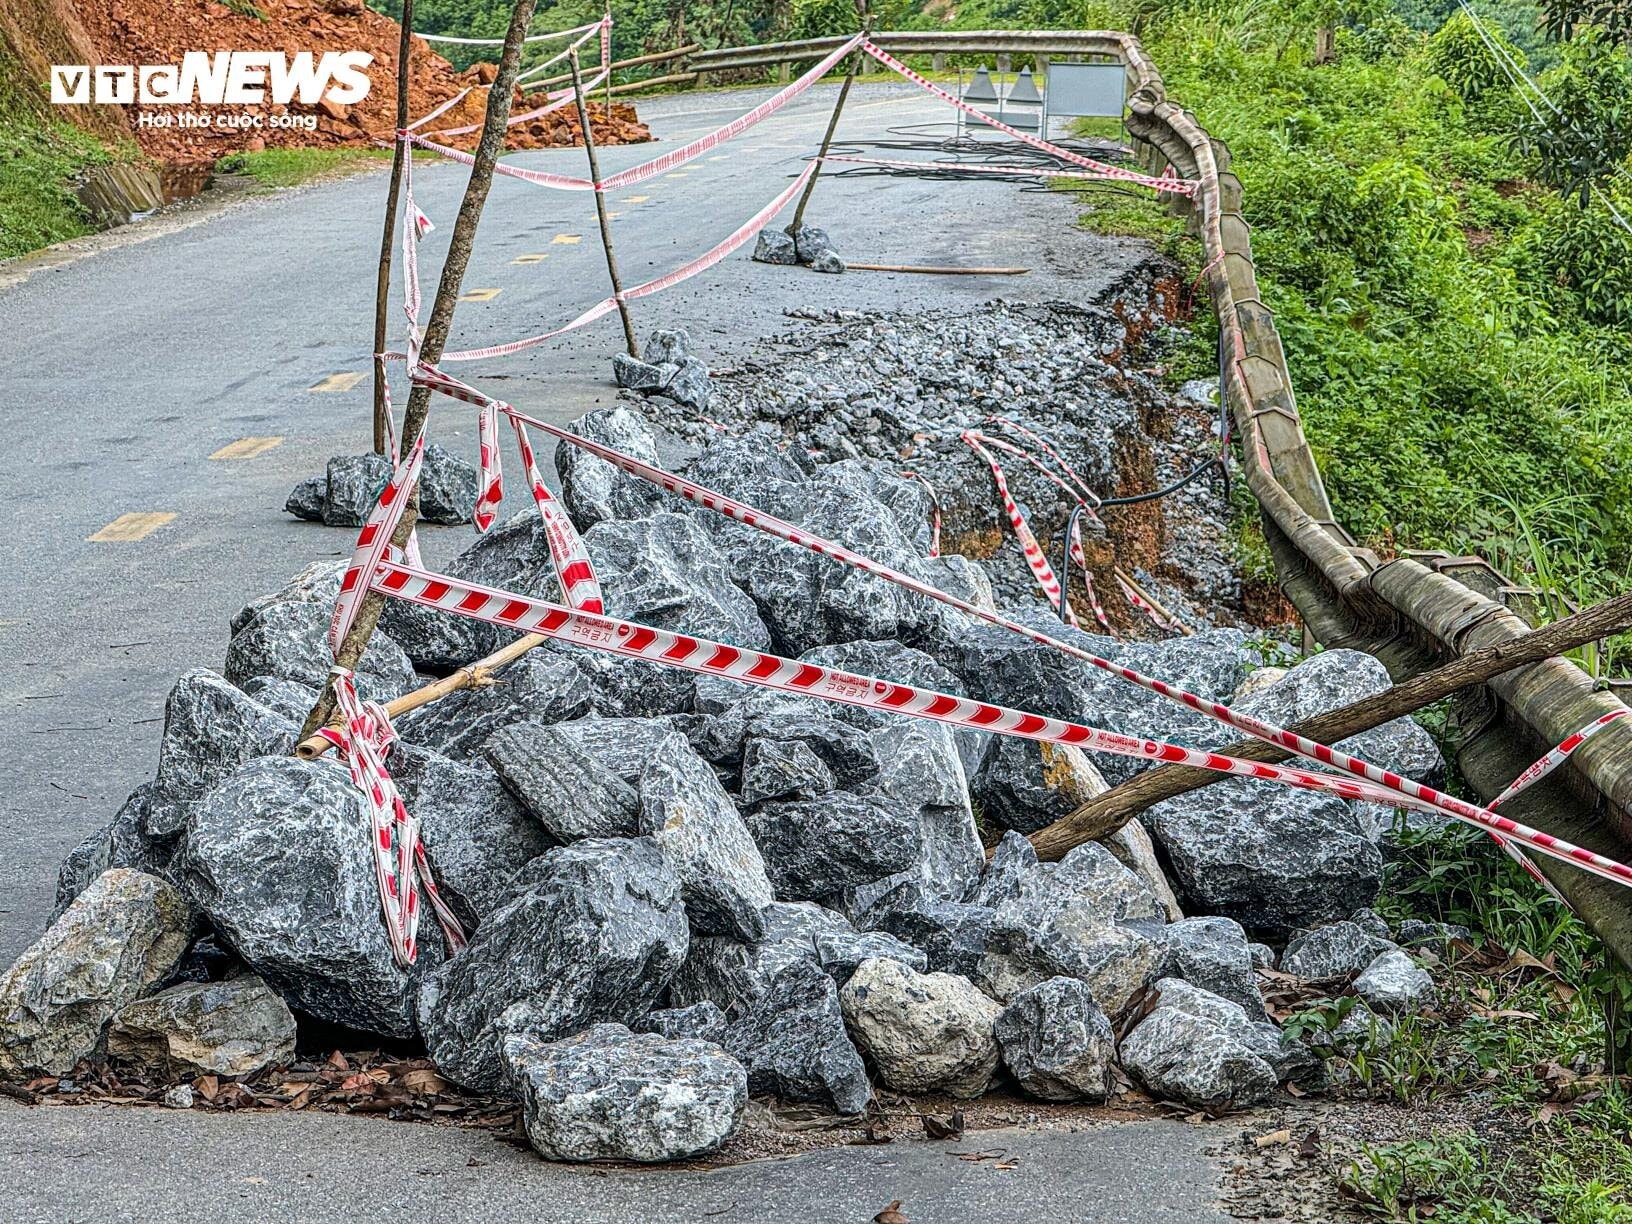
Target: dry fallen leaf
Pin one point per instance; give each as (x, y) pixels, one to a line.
(947, 1126)
(1272, 1139)
(891, 1214)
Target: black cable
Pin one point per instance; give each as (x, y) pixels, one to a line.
(1065, 557)
(1214, 462)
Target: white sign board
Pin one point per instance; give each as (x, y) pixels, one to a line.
(1076, 90)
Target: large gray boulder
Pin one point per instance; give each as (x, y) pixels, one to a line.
(593, 931)
(1272, 858)
(1205, 1051)
(447, 487)
(1213, 953)
(288, 640)
(234, 1027)
(951, 934)
(1332, 951)
(775, 246)
(664, 571)
(477, 837)
(279, 858)
(1025, 786)
(540, 687)
(686, 811)
(794, 1044)
(610, 1094)
(701, 1022)
(570, 792)
(924, 1032)
(120, 938)
(1086, 917)
(210, 729)
(353, 488)
(595, 491)
(782, 769)
(1134, 850)
(816, 848)
(1057, 1043)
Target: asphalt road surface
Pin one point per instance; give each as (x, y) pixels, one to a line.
(165, 391)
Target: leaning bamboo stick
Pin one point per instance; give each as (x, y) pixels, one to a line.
(935, 269)
(474, 675)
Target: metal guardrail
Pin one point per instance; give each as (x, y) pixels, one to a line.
(1412, 616)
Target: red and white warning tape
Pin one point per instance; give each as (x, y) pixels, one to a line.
(579, 586)
(666, 162)
(1041, 570)
(1140, 604)
(766, 670)
(700, 264)
(1177, 186)
(926, 167)
(558, 98)
(499, 42)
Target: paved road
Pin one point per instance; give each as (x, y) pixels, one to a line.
(127, 370)
(76, 1163)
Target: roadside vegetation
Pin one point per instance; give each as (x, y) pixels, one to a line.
(39, 159)
(292, 167)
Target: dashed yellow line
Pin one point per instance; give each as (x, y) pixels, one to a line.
(613, 216)
(566, 239)
(679, 174)
(721, 157)
(339, 382)
(479, 295)
(529, 259)
(136, 525)
(636, 199)
(247, 448)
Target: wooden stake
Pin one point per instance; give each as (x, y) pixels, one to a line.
(935, 270)
(600, 211)
(832, 125)
(436, 330)
(382, 283)
(476, 675)
(1106, 813)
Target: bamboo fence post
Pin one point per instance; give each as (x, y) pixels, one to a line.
(1106, 813)
(832, 125)
(382, 284)
(600, 210)
(436, 330)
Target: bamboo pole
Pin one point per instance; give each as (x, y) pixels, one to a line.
(832, 124)
(600, 210)
(436, 330)
(935, 269)
(1106, 813)
(475, 675)
(382, 283)
(656, 57)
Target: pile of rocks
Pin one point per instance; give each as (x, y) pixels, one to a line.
(684, 890)
(901, 387)
(348, 490)
(667, 369)
(808, 245)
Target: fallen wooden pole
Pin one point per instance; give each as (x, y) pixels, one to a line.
(382, 282)
(1105, 814)
(935, 269)
(436, 330)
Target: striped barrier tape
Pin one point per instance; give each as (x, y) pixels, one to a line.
(668, 161)
(1139, 604)
(1177, 186)
(1369, 782)
(555, 99)
(491, 482)
(1041, 570)
(400, 866)
(686, 271)
(579, 586)
(499, 42)
(628, 640)
(934, 512)
(974, 168)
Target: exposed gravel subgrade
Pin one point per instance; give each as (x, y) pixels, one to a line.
(900, 387)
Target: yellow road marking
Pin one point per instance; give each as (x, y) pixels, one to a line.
(613, 216)
(529, 259)
(566, 239)
(720, 157)
(479, 295)
(136, 525)
(678, 174)
(636, 199)
(247, 448)
(339, 382)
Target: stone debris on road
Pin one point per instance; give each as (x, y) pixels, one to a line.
(685, 891)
